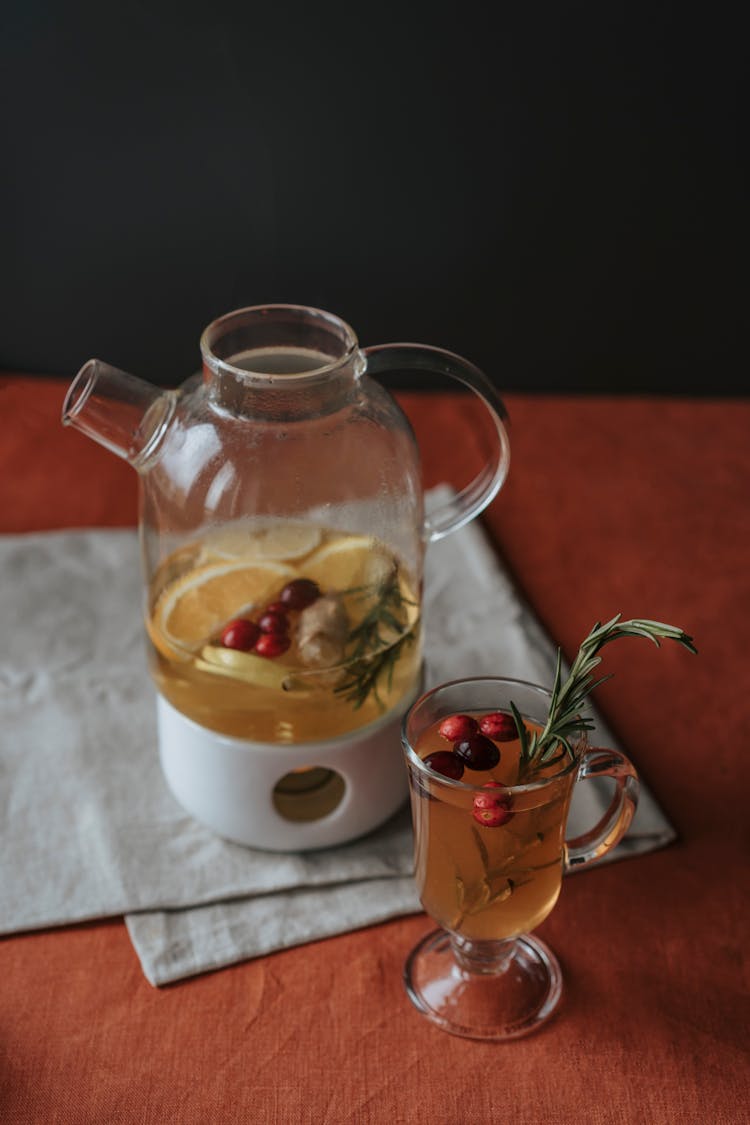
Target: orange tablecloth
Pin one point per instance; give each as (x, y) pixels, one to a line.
(633, 505)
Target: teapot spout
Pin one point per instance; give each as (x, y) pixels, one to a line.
(123, 413)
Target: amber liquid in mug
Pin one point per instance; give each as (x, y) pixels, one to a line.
(237, 572)
(488, 883)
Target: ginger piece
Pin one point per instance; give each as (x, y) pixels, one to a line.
(322, 631)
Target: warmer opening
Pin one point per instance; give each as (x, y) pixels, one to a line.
(308, 793)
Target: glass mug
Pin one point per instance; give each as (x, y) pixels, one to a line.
(489, 864)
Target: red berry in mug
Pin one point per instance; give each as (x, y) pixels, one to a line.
(477, 752)
(272, 644)
(240, 634)
(457, 726)
(446, 763)
(499, 726)
(491, 800)
(492, 818)
(492, 809)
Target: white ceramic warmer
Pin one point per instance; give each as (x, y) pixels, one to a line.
(231, 784)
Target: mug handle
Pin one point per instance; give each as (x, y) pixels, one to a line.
(475, 497)
(600, 840)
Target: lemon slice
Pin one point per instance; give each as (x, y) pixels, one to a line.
(276, 541)
(245, 666)
(346, 564)
(197, 604)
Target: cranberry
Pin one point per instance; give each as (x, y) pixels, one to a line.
(276, 607)
(299, 594)
(273, 622)
(492, 810)
(499, 726)
(492, 818)
(446, 763)
(486, 800)
(272, 644)
(457, 726)
(240, 634)
(477, 752)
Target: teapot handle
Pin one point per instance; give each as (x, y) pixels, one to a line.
(475, 497)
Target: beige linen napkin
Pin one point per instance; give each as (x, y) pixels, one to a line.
(89, 827)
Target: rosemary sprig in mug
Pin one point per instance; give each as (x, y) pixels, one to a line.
(566, 718)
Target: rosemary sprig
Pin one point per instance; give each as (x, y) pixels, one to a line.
(373, 655)
(566, 717)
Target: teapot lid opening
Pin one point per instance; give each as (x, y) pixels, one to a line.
(278, 344)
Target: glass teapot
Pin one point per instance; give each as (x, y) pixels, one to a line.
(283, 531)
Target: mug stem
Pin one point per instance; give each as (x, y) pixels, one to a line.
(485, 957)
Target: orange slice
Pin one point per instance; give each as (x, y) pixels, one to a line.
(273, 539)
(252, 669)
(345, 564)
(195, 606)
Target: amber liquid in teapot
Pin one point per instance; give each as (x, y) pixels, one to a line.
(334, 676)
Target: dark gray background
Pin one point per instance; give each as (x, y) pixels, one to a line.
(554, 192)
